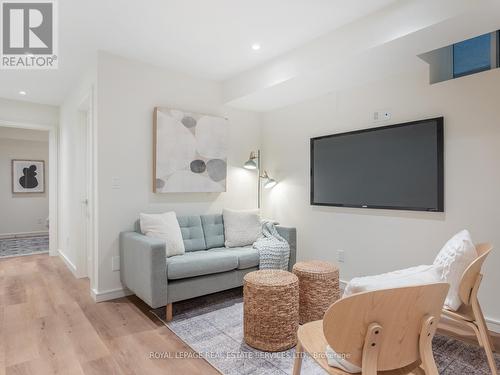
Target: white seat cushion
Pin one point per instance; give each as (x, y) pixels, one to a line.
(453, 259)
(418, 275)
(166, 227)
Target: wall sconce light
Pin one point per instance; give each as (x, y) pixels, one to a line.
(253, 163)
(268, 181)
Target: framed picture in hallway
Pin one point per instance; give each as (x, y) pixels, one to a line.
(190, 152)
(28, 176)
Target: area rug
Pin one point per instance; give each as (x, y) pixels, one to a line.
(213, 326)
(10, 247)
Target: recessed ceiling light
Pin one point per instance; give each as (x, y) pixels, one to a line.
(22, 92)
(256, 46)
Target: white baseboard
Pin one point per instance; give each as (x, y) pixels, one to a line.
(493, 325)
(106, 295)
(23, 234)
(68, 263)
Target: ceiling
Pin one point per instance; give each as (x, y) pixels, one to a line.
(308, 47)
(387, 42)
(210, 39)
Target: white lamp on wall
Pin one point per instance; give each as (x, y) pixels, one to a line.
(253, 163)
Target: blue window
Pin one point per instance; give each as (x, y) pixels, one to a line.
(472, 55)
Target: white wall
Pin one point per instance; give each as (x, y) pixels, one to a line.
(22, 213)
(128, 91)
(376, 241)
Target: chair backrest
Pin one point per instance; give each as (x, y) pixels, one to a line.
(470, 275)
(400, 312)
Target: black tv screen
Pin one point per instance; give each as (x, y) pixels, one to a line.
(390, 167)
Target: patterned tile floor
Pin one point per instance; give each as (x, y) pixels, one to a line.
(10, 247)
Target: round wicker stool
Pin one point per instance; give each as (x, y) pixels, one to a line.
(270, 309)
(318, 286)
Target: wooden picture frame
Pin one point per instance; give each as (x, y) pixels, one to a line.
(28, 176)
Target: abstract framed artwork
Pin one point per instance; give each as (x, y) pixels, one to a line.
(28, 176)
(190, 152)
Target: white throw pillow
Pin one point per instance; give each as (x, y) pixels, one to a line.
(241, 228)
(453, 259)
(166, 227)
(424, 274)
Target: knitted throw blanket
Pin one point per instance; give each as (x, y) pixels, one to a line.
(274, 250)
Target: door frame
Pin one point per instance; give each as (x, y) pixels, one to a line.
(53, 176)
(88, 260)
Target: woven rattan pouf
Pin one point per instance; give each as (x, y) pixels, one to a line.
(318, 288)
(270, 309)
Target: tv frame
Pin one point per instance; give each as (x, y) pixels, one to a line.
(440, 166)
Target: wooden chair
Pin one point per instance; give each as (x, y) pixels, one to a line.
(384, 332)
(470, 314)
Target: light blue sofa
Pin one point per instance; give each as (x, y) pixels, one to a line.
(206, 267)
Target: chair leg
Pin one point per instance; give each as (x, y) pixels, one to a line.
(477, 333)
(425, 345)
(299, 353)
(485, 336)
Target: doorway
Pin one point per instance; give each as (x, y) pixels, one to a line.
(28, 194)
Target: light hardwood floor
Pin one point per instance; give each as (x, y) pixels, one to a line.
(49, 324)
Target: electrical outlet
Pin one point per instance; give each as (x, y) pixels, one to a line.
(381, 115)
(340, 256)
(115, 263)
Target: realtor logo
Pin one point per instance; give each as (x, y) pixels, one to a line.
(28, 35)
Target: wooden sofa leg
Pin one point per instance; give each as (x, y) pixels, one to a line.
(169, 314)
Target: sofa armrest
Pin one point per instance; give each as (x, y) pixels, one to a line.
(289, 234)
(143, 267)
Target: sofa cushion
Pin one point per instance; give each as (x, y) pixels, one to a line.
(192, 233)
(198, 263)
(248, 257)
(165, 227)
(213, 227)
(241, 228)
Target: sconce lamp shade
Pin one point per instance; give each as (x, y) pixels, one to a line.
(270, 183)
(251, 163)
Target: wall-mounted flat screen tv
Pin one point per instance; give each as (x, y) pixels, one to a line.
(390, 167)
